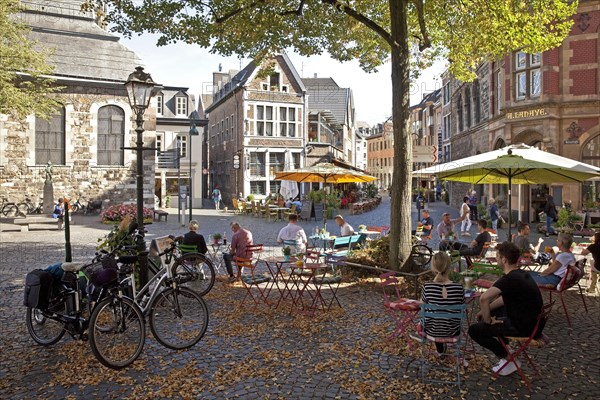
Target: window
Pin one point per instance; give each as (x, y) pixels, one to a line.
(446, 131)
(111, 135)
(264, 120)
(287, 124)
(182, 145)
(226, 129)
(274, 186)
(276, 162)
(274, 81)
(159, 104)
(181, 105)
(257, 187)
(296, 157)
(476, 103)
(459, 107)
(159, 141)
(284, 88)
(257, 164)
(264, 86)
(231, 125)
(528, 76)
(498, 91)
(446, 93)
(467, 108)
(50, 139)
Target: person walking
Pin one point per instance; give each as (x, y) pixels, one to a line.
(216, 195)
(473, 205)
(494, 213)
(551, 215)
(465, 212)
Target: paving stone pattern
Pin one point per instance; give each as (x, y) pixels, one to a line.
(269, 354)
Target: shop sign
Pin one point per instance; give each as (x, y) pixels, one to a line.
(536, 112)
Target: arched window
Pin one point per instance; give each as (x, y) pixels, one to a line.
(111, 135)
(476, 102)
(459, 107)
(50, 139)
(467, 108)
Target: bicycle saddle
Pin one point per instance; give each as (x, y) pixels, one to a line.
(72, 266)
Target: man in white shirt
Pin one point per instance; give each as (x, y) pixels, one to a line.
(345, 228)
(292, 231)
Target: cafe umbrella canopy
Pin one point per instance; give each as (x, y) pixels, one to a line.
(517, 164)
(325, 173)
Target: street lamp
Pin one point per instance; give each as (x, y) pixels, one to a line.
(193, 132)
(139, 87)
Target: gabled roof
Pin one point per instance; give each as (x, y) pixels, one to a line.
(247, 73)
(326, 95)
(169, 94)
(81, 49)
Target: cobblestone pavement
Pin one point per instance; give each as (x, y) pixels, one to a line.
(261, 353)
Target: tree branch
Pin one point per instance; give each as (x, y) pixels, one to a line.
(363, 19)
(230, 14)
(424, 41)
(297, 12)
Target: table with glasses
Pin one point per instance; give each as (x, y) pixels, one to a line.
(213, 255)
(322, 242)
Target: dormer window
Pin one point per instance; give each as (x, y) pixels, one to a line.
(181, 105)
(274, 81)
(159, 104)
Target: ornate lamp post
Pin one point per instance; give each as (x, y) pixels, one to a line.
(139, 87)
(193, 132)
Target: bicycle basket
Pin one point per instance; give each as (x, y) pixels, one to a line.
(101, 273)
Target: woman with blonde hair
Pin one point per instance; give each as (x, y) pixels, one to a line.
(442, 291)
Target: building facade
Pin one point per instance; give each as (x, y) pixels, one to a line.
(256, 125)
(84, 139)
(380, 153)
(549, 100)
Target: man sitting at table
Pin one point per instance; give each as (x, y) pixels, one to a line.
(293, 231)
(477, 244)
(509, 308)
(194, 239)
(345, 228)
(522, 240)
(444, 228)
(240, 239)
(298, 204)
(558, 266)
(426, 222)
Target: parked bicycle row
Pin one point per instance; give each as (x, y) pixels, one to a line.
(28, 206)
(100, 303)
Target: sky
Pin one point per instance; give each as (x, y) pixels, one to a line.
(192, 66)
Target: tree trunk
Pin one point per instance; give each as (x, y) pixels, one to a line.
(400, 221)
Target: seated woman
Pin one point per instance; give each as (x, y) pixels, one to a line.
(193, 238)
(594, 250)
(442, 291)
(558, 266)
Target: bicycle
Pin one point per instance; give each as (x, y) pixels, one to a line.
(8, 208)
(115, 329)
(28, 207)
(178, 315)
(420, 252)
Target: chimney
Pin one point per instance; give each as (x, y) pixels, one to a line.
(315, 75)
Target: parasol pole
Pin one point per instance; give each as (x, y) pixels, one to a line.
(509, 203)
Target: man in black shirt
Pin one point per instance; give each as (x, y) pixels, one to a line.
(479, 241)
(193, 238)
(509, 308)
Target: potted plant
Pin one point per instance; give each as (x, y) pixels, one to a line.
(216, 237)
(287, 251)
(362, 228)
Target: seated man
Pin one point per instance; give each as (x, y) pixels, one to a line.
(288, 203)
(298, 204)
(522, 240)
(477, 244)
(292, 231)
(558, 266)
(444, 229)
(240, 239)
(345, 228)
(426, 222)
(509, 308)
(194, 239)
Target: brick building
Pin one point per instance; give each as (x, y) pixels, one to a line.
(380, 153)
(549, 100)
(84, 138)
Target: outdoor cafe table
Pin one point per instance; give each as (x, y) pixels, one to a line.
(279, 210)
(296, 283)
(325, 242)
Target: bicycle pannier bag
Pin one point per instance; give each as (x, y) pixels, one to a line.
(38, 286)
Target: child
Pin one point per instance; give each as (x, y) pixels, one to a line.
(59, 212)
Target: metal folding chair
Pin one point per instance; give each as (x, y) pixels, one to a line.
(571, 278)
(404, 311)
(250, 278)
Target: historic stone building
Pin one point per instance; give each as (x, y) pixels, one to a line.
(84, 138)
(380, 153)
(549, 100)
(257, 121)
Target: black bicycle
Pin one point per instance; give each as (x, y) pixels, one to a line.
(29, 207)
(421, 254)
(8, 208)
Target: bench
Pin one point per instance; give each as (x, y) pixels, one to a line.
(158, 214)
(37, 220)
(344, 244)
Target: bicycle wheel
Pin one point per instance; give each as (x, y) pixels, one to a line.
(178, 318)
(43, 330)
(22, 209)
(117, 332)
(196, 271)
(421, 255)
(10, 210)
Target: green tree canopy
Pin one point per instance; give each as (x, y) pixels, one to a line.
(23, 87)
(409, 33)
